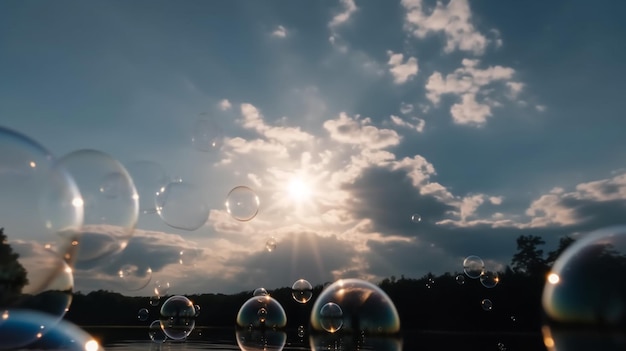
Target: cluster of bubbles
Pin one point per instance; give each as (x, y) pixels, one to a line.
(474, 268)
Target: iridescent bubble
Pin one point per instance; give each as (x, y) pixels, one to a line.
(260, 292)
(486, 304)
(155, 332)
(149, 177)
(260, 339)
(302, 291)
(331, 317)
(274, 316)
(460, 279)
(178, 317)
(365, 307)
(242, 203)
(207, 134)
(416, 218)
(270, 244)
(182, 205)
(133, 278)
(143, 314)
(473, 266)
(161, 287)
(111, 210)
(154, 300)
(489, 279)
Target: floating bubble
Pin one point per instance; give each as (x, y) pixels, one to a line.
(262, 314)
(300, 331)
(188, 257)
(331, 317)
(365, 307)
(143, 314)
(416, 218)
(155, 332)
(260, 292)
(197, 308)
(154, 300)
(270, 244)
(242, 203)
(486, 304)
(460, 279)
(178, 317)
(273, 317)
(111, 203)
(489, 279)
(182, 205)
(207, 134)
(161, 287)
(473, 266)
(302, 291)
(149, 177)
(260, 339)
(134, 278)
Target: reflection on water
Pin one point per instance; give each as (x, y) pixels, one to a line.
(136, 339)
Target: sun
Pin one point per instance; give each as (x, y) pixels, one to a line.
(299, 190)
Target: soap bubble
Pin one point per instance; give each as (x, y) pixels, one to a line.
(207, 134)
(178, 317)
(489, 279)
(270, 244)
(111, 203)
(586, 286)
(302, 291)
(274, 316)
(41, 211)
(155, 332)
(486, 304)
(300, 331)
(365, 307)
(143, 314)
(260, 292)
(260, 339)
(133, 278)
(473, 266)
(460, 279)
(331, 317)
(149, 177)
(161, 287)
(154, 300)
(416, 218)
(182, 205)
(197, 308)
(242, 203)
(188, 257)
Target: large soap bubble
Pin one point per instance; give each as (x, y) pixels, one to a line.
(111, 203)
(302, 291)
(242, 203)
(133, 278)
(262, 312)
(260, 340)
(473, 266)
(178, 317)
(365, 308)
(182, 205)
(149, 177)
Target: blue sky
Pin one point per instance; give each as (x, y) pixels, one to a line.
(490, 119)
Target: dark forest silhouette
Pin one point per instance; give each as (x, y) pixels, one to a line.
(427, 303)
(13, 276)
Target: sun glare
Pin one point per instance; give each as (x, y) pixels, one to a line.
(299, 190)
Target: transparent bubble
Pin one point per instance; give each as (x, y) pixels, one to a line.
(260, 339)
(110, 199)
(260, 292)
(460, 279)
(262, 314)
(331, 317)
(41, 211)
(365, 307)
(149, 177)
(302, 291)
(161, 287)
(486, 304)
(489, 279)
(586, 286)
(197, 308)
(242, 203)
(274, 316)
(178, 317)
(473, 266)
(189, 257)
(416, 218)
(133, 278)
(155, 332)
(182, 205)
(143, 314)
(207, 134)
(154, 300)
(300, 331)
(270, 244)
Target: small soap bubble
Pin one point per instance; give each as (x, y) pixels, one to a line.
(302, 291)
(331, 317)
(161, 287)
(460, 279)
(489, 279)
(300, 331)
(416, 218)
(155, 332)
(250, 313)
(270, 244)
(182, 205)
(207, 135)
(134, 278)
(260, 292)
(486, 304)
(262, 313)
(154, 300)
(197, 307)
(242, 203)
(473, 266)
(143, 314)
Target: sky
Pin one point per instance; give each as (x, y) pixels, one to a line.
(489, 119)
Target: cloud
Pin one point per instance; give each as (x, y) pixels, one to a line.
(279, 32)
(454, 20)
(496, 200)
(405, 108)
(540, 108)
(515, 88)
(349, 7)
(348, 130)
(224, 105)
(401, 71)
(252, 119)
(418, 126)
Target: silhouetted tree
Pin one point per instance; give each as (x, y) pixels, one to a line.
(12, 274)
(564, 243)
(529, 259)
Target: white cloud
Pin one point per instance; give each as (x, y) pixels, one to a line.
(418, 169)
(349, 7)
(279, 32)
(418, 125)
(469, 111)
(252, 119)
(405, 108)
(224, 105)
(515, 88)
(496, 200)
(401, 71)
(454, 20)
(348, 130)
